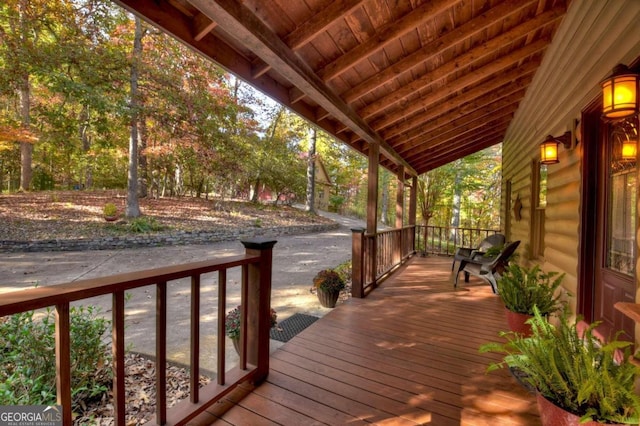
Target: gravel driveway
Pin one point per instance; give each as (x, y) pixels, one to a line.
(296, 260)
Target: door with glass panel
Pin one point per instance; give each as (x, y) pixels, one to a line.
(616, 226)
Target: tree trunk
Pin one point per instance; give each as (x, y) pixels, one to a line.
(384, 202)
(255, 197)
(143, 165)
(133, 208)
(86, 145)
(311, 174)
(26, 148)
(457, 200)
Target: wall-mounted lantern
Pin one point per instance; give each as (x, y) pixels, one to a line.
(620, 93)
(549, 148)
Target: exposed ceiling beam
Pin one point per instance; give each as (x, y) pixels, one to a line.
(453, 119)
(478, 145)
(466, 127)
(457, 128)
(516, 78)
(434, 48)
(239, 22)
(497, 67)
(384, 36)
(497, 128)
(202, 26)
(320, 21)
(460, 63)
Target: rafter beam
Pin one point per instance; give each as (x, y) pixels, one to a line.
(478, 145)
(453, 120)
(239, 22)
(434, 48)
(385, 35)
(461, 62)
(202, 26)
(452, 146)
(466, 127)
(496, 67)
(320, 21)
(457, 128)
(517, 76)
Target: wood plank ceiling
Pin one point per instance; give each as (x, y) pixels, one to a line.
(430, 81)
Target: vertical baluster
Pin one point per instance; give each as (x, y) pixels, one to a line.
(243, 317)
(161, 353)
(194, 374)
(117, 350)
(63, 361)
(222, 309)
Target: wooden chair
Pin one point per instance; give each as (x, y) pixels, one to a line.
(487, 268)
(467, 253)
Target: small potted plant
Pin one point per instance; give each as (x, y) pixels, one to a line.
(328, 284)
(577, 377)
(523, 289)
(110, 212)
(232, 325)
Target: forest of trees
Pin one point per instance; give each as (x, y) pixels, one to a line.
(92, 98)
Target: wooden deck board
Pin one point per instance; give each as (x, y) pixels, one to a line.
(407, 354)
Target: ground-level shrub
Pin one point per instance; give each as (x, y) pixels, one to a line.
(27, 356)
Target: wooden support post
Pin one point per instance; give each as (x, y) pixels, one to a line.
(63, 360)
(372, 210)
(413, 203)
(372, 189)
(259, 302)
(357, 262)
(118, 349)
(397, 255)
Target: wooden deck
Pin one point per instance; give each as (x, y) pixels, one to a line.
(406, 354)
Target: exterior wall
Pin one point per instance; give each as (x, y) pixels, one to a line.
(594, 36)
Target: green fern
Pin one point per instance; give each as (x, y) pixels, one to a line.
(521, 289)
(577, 373)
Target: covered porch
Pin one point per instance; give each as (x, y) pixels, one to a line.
(406, 354)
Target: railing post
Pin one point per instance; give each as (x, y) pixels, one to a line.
(259, 305)
(357, 262)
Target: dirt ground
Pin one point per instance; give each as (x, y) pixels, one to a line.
(296, 259)
(78, 214)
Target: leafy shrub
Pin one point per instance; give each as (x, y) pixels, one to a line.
(233, 319)
(521, 289)
(110, 210)
(145, 224)
(27, 348)
(344, 270)
(329, 280)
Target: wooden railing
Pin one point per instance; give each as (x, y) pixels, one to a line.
(441, 240)
(256, 266)
(376, 255)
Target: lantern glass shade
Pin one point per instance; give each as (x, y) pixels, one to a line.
(549, 152)
(620, 94)
(629, 150)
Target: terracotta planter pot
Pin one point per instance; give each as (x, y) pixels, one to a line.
(327, 299)
(552, 415)
(111, 218)
(517, 322)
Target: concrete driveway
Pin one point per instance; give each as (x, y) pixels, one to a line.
(296, 260)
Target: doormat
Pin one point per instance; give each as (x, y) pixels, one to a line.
(291, 326)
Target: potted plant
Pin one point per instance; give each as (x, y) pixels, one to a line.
(328, 283)
(576, 375)
(523, 289)
(110, 212)
(232, 325)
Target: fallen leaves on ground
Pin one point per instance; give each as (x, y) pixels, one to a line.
(140, 387)
(49, 215)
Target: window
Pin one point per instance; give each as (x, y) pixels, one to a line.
(538, 204)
